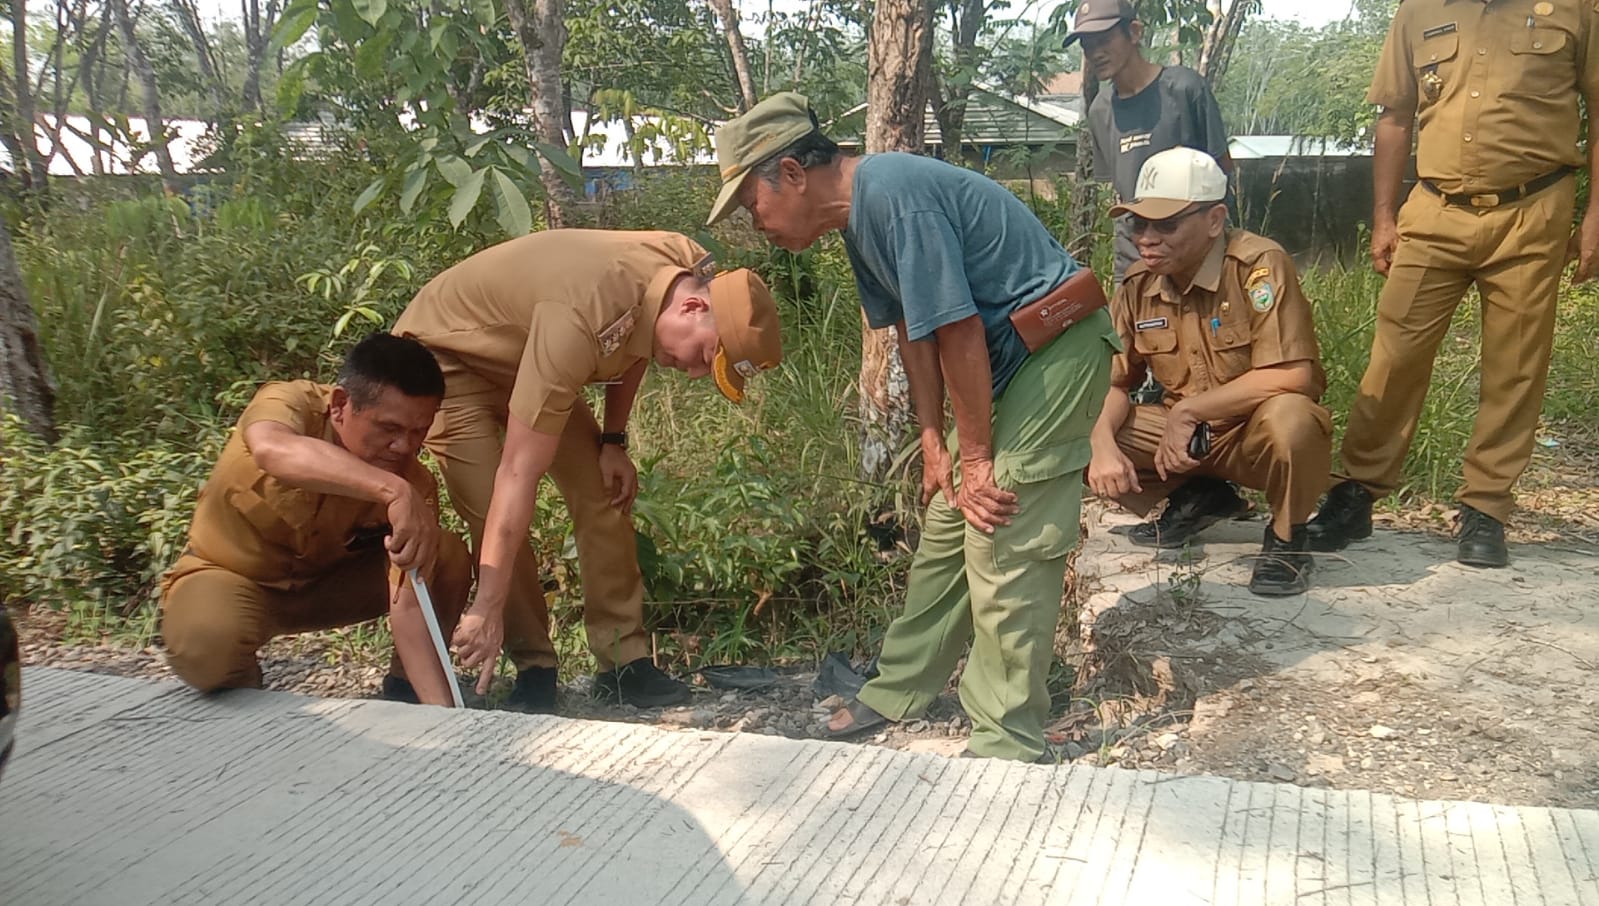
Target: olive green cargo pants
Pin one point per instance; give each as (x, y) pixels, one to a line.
(1002, 592)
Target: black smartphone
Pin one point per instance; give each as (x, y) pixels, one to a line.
(1199, 444)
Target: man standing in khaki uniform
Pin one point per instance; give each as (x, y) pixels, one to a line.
(313, 511)
(1494, 88)
(519, 329)
(1219, 316)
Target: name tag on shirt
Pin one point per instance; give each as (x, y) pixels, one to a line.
(1448, 28)
(1151, 324)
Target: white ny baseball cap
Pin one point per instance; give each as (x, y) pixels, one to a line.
(1171, 181)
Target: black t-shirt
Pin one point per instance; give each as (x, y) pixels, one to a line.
(1176, 110)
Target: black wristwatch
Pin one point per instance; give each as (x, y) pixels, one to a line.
(614, 438)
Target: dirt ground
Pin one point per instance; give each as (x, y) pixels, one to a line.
(1401, 671)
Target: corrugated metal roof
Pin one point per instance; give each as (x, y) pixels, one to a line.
(1260, 147)
(991, 119)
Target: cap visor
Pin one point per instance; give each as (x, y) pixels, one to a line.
(1090, 28)
(727, 199)
(729, 381)
(1153, 208)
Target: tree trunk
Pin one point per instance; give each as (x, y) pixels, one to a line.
(188, 15)
(1085, 191)
(1220, 38)
(258, 27)
(967, 18)
(899, 78)
(727, 14)
(152, 95)
(543, 35)
(25, 385)
(22, 96)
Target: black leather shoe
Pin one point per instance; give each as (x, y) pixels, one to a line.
(1283, 567)
(1482, 539)
(1345, 516)
(395, 689)
(1195, 506)
(640, 684)
(534, 692)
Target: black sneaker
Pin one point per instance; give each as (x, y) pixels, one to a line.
(395, 689)
(640, 684)
(1195, 506)
(1482, 539)
(1283, 567)
(534, 691)
(1345, 516)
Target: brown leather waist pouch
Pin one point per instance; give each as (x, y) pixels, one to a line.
(1065, 305)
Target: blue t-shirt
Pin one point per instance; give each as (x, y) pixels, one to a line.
(932, 244)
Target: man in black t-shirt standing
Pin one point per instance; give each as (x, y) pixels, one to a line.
(1149, 109)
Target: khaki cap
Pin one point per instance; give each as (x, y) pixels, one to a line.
(747, 140)
(1096, 16)
(746, 323)
(1172, 181)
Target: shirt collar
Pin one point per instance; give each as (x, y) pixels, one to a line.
(642, 342)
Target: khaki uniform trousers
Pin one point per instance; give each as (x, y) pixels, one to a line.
(1284, 448)
(1514, 255)
(1002, 592)
(467, 440)
(214, 621)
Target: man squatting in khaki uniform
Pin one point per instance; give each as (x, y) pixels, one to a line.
(1494, 88)
(1219, 316)
(289, 532)
(519, 329)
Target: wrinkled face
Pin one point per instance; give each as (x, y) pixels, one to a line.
(1178, 245)
(782, 211)
(686, 338)
(1108, 52)
(387, 434)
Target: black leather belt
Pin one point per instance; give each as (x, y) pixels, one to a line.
(1495, 199)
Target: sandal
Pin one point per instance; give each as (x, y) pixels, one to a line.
(861, 719)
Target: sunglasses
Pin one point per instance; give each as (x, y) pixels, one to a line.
(1168, 226)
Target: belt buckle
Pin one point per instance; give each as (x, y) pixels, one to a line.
(1490, 200)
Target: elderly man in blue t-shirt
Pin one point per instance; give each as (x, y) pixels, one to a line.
(944, 256)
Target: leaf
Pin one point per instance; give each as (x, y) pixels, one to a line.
(296, 21)
(454, 170)
(485, 11)
(371, 10)
(368, 196)
(560, 158)
(466, 196)
(513, 213)
(415, 182)
(291, 87)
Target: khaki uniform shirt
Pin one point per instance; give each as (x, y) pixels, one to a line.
(1495, 87)
(1244, 310)
(542, 315)
(275, 534)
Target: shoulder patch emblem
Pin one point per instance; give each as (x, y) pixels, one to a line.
(1262, 295)
(617, 332)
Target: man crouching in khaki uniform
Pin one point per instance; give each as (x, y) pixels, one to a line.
(311, 516)
(520, 328)
(1219, 317)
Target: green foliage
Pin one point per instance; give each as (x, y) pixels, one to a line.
(93, 523)
(1291, 80)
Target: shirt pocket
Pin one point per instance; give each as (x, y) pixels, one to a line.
(279, 515)
(1232, 347)
(1158, 349)
(1434, 62)
(1545, 63)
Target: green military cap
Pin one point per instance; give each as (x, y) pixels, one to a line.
(747, 140)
